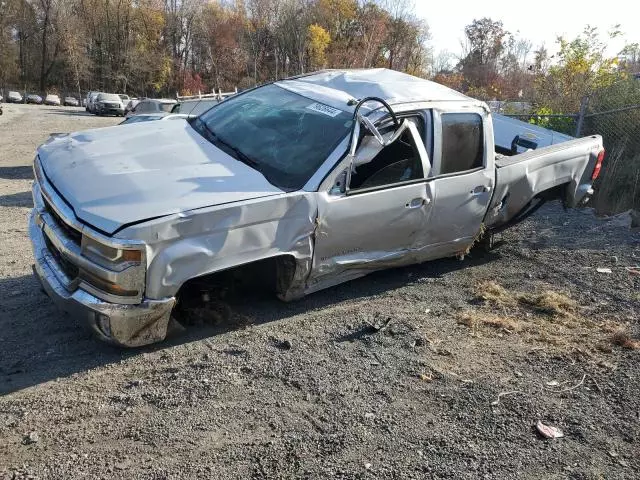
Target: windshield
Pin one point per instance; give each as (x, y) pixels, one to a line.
(283, 135)
(194, 107)
(109, 97)
(166, 107)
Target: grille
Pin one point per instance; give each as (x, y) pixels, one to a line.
(71, 232)
(65, 265)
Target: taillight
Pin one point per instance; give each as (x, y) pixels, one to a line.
(598, 167)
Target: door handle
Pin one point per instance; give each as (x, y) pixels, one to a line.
(418, 202)
(479, 190)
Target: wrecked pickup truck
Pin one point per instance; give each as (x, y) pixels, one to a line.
(306, 183)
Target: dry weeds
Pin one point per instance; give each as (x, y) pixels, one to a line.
(547, 316)
(474, 319)
(621, 338)
(493, 293)
(550, 302)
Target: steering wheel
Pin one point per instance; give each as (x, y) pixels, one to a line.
(379, 100)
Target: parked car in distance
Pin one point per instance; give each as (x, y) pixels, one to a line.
(86, 102)
(125, 98)
(131, 105)
(150, 117)
(283, 182)
(34, 99)
(193, 108)
(153, 105)
(14, 97)
(109, 104)
(52, 100)
(71, 102)
(91, 99)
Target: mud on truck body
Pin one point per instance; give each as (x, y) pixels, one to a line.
(313, 181)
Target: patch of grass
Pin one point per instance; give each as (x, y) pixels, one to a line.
(548, 338)
(473, 319)
(547, 301)
(546, 317)
(550, 303)
(621, 338)
(468, 319)
(502, 323)
(493, 293)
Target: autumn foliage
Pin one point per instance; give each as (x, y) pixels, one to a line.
(154, 47)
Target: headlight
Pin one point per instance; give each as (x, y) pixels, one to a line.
(106, 285)
(122, 273)
(111, 257)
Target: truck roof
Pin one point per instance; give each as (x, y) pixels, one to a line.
(390, 85)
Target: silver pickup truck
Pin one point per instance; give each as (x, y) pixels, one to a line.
(305, 183)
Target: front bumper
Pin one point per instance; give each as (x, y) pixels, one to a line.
(110, 111)
(125, 325)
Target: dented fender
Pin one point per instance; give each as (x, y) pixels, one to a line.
(191, 244)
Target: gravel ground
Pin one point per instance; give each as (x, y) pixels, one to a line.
(377, 378)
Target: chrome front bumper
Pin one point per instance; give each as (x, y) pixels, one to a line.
(130, 325)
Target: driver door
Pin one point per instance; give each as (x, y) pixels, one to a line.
(379, 219)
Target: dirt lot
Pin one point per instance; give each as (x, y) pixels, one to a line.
(435, 371)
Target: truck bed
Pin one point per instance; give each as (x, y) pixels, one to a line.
(563, 170)
(505, 129)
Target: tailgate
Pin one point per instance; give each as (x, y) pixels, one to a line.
(521, 178)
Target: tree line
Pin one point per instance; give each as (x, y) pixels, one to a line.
(496, 64)
(160, 47)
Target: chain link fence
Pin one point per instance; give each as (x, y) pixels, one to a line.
(614, 113)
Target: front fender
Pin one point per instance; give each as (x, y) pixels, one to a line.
(209, 240)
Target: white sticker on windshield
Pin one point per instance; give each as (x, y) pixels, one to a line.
(327, 110)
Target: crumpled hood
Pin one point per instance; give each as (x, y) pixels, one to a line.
(126, 174)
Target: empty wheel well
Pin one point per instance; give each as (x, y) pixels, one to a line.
(270, 275)
(559, 192)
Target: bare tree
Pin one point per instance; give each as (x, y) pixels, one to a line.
(442, 62)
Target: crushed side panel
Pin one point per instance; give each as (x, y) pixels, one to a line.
(521, 177)
(204, 241)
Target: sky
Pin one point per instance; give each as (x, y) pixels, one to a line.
(540, 21)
